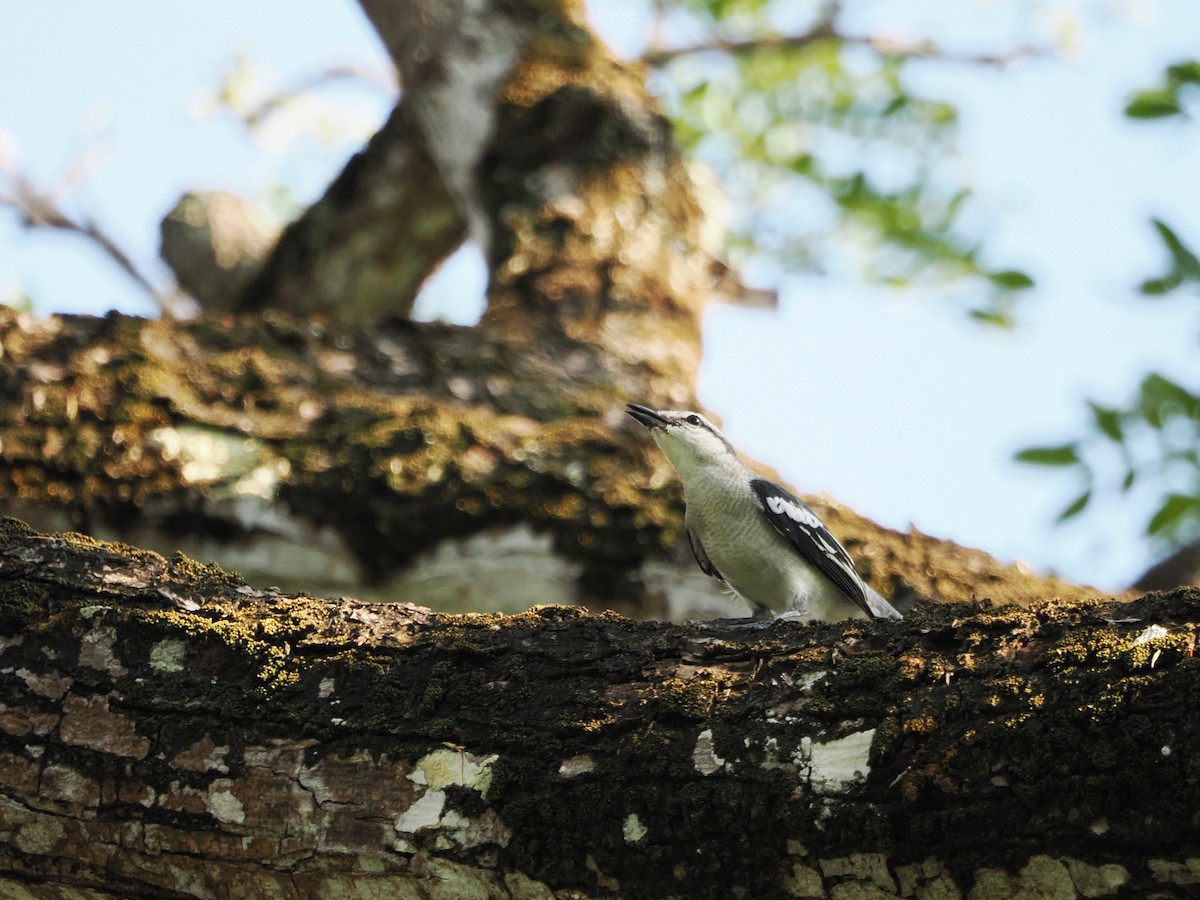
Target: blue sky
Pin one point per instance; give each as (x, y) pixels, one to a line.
(919, 411)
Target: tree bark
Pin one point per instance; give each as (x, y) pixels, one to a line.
(518, 126)
(168, 731)
(215, 243)
(405, 461)
(362, 252)
(1180, 568)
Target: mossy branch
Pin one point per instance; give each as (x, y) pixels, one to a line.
(167, 728)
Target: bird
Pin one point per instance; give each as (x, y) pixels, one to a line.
(757, 537)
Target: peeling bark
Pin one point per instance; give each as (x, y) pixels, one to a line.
(166, 730)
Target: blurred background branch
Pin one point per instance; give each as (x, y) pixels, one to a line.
(38, 207)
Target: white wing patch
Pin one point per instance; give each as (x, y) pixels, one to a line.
(805, 531)
(784, 506)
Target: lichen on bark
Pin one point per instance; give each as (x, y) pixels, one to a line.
(159, 711)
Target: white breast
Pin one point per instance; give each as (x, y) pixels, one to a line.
(757, 562)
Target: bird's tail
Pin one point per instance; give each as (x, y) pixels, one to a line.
(880, 607)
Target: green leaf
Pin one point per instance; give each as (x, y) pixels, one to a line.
(1187, 72)
(1184, 263)
(942, 113)
(1185, 260)
(818, 99)
(1011, 280)
(1075, 507)
(1160, 398)
(997, 318)
(802, 164)
(1174, 511)
(1062, 455)
(1108, 420)
(1154, 104)
(1156, 287)
(1127, 482)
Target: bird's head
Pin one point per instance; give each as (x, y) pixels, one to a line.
(689, 440)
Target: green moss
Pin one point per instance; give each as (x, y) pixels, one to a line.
(133, 554)
(1060, 723)
(436, 686)
(440, 729)
(693, 698)
(22, 603)
(203, 573)
(1173, 647)
(1087, 647)
(394, 471)
(266, 637)
(272, 661)
(1084, 649)
(14, 529)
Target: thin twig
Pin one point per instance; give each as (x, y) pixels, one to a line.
(277, 101)
(663, 55)
(826, 31)
(38, 209)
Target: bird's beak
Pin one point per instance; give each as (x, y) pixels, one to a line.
(645, 415)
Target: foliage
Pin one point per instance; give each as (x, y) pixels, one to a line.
(1154, 438)
(819, 135)
(1180, 82)
(1182, 265)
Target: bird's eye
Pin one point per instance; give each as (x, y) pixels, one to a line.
(693, 419)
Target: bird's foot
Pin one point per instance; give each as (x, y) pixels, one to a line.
(749, 623)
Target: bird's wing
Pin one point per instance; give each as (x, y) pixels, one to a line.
(706, 565)
(805, 531)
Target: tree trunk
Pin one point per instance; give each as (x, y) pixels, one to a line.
(166, 730)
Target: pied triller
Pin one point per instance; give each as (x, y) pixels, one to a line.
(754, 535)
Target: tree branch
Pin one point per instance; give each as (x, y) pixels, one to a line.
(261, 111)
(304, 451)
(826, 30)
(167, 730)
(362, 252)
(39, 209)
